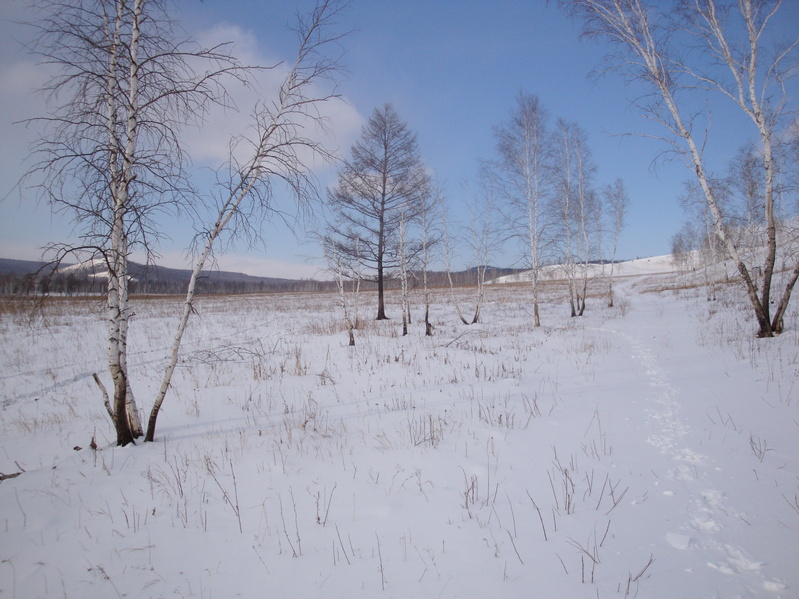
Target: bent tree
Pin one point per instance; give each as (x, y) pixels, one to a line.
(283, 152)
(731, 40)
(124, 83)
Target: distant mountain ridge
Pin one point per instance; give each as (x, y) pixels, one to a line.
(16, 276)
(91, 275)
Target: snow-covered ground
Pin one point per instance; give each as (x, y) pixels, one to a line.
(647, 450)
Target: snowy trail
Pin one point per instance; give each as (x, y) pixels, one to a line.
(703, 535)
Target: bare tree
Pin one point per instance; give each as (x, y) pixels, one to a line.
(449, 251)
(338, 269)
(567, 198)
(616, 202)
(683, 247)
(731, 37)
(280, 152)
(429, 223)
(483, 239)
(525, 173)
(403, 257)
(382, 180)
(586, 211)
(708, 254)
(125, 81)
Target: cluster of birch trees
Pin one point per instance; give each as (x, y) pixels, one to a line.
(544, 177)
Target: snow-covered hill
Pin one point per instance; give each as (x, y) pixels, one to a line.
(640, 266)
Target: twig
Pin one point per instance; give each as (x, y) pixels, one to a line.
(342, 546)
(512, 542)
(380, 557)
(540, 517)
(616, 502)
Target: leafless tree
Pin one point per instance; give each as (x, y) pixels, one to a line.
(124, 82)
(431, 235)
(707, 255)
(483, 239)
(281, 151)
(449, 255)
(575, 201)
(684, 246)
(525, 180)
(382, 180)
(404, 258)
(587, 212)
(338, 269)
(732, 38)
(616, 201)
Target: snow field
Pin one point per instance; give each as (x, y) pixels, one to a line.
(650, 449)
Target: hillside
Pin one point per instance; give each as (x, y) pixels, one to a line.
(90, 277)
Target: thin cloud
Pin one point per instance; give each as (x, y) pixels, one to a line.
(210, 143)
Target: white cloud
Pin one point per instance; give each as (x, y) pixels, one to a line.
(209, 144)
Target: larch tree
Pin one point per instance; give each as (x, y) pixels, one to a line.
(379, 186)
(736, 57)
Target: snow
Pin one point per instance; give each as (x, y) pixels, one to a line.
(640, 266)
(649, 449)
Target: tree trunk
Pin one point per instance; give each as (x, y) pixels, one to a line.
(381, 306)
(124, 434)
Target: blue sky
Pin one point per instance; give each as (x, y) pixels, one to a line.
(451, 68)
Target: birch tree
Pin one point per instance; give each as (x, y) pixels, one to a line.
(566, 193)
(483, 238)
(525, 174)
(586, 211)
(124, 83)
(616, 201)
(282, 151)
(732, 39)
(337, 267)
(429, 223)
(449, 256)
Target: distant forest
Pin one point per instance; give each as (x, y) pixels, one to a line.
(22, 277)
